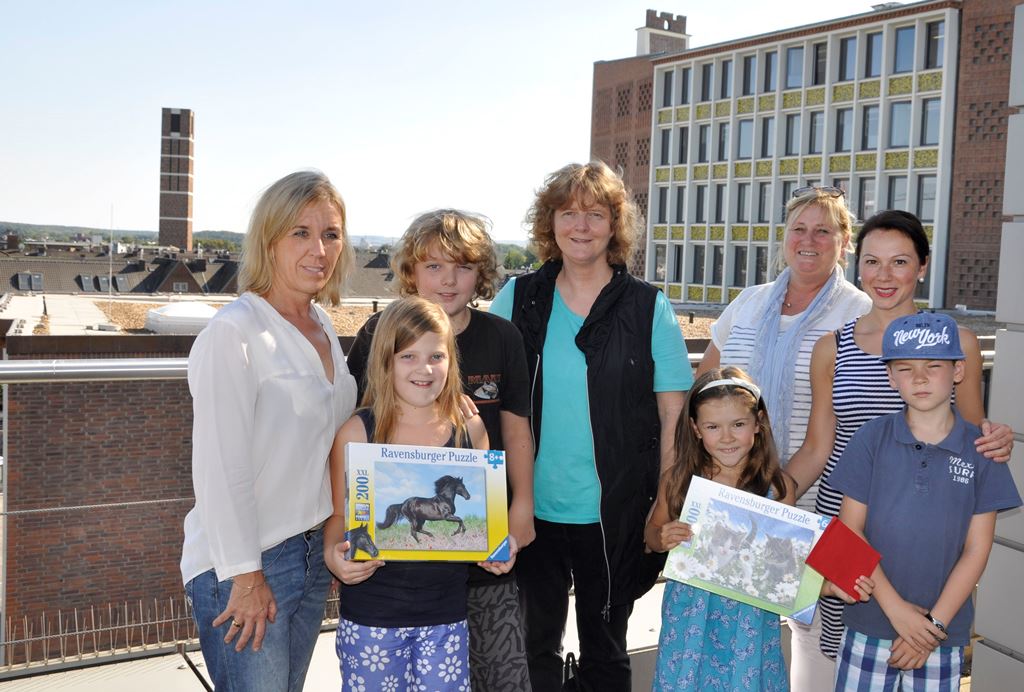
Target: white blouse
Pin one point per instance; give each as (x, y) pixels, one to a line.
(265, 416)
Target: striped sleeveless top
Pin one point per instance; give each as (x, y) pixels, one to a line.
(860, 392)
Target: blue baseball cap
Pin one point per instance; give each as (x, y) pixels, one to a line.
(924, 336)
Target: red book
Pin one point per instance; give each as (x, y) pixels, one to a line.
(840, 555)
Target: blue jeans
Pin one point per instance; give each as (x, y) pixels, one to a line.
(295, 571)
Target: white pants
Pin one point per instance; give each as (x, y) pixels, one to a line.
(809, 670)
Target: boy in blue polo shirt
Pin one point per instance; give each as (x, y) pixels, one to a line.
(919, 493)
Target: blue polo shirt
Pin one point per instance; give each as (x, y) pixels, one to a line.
(920, 500)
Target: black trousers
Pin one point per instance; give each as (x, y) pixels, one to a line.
(565, 555)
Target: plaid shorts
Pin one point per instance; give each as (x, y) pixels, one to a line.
(862, 667)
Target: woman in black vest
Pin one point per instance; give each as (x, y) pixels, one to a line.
(609, 372)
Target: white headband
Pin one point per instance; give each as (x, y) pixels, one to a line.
(733, 382)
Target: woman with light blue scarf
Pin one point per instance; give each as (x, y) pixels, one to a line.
(770, 331)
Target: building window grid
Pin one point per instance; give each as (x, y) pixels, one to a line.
(816, 135)
(707, 73)
(666, 89)
(662, 205)
(717, 264)
(897, 185)
(664, 158)
(677, 264)
(794, 67)
(847, 59)
(745, 139)
(742, 202)
(697, 267)
(680, 216)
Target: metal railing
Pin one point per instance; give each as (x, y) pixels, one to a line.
(67, 639)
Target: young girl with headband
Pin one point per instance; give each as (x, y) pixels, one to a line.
(710, 641)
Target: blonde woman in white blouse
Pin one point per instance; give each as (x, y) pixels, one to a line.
(270, 389)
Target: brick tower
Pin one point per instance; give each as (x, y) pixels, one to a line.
(177, 141)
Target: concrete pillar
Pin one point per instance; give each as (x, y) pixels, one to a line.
(999, 657)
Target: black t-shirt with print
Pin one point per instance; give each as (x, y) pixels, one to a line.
(491, 360)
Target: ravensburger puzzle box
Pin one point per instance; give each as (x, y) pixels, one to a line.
(748, 548)
(426, 503)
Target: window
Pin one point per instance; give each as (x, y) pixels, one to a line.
(873, 59)
(717, 264)
(843, 184)
(866, 198)
(666, 90)
(666, 143)
(677, 264)
(930, 121)
(706, 75)
(792, 134)
(684, 85)
(180, 287)
(936, 39)
(926, 198)
(903, 51)
(723, 141)
(817, 135)
(103, 282)
(764, 202)
(739, 266)
(898, 192)
(742, 203)
(844, 129)
(725, 90)
(662, 205)
(121, 283)
(899, 124)
(767, 137)
(820, 62)
(745, 139)
(697, 275)
(659, 262)
(794, 67)
(787, 192)
(176, 123)
(760, 265)
(847, 58)
(684, 136)
(85, 280)
(701, 214)
(869, 128)
(719, 202)
(749, 74)
(771, 61)
(703, 135)
(680, 204)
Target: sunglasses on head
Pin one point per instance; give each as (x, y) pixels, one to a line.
(825, 189)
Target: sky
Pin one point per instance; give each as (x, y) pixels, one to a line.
(406, 106)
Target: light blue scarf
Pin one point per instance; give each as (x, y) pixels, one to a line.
(773, 361)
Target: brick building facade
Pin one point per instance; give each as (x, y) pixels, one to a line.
(620, 124)
(98, 484)
(177, 143)
(986, 36)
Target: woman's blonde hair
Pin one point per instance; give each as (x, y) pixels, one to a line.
(837, 215)
(275, 214)
(587, 184)
(401, 324)
(458, 235)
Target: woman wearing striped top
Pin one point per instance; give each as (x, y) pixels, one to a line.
(850, 385)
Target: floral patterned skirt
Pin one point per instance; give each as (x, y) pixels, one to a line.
(397, 659)
(709, 642)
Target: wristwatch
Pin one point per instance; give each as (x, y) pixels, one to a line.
(935, 621)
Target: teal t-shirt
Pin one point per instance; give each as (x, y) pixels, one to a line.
(566, 488)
